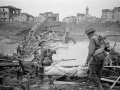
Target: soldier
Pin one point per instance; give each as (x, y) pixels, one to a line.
(18, 50)
(96, 57)
(36, 55)
(68, 38)
(45, 59)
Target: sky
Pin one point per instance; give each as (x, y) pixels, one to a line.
(65, 8)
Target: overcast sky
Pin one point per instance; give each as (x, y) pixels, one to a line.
(63, 7)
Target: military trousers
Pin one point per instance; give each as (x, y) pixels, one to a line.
(95, 72)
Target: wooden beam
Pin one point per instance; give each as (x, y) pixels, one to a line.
(108, 80)
(111, 66)
(115, 83)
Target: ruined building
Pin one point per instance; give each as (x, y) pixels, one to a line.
(81, 17)
(49, 15)
(24, 17)
(8, 13)
(70, 19)
(111, 15)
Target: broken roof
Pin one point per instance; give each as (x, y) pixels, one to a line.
(107, 10)
(26, 14)
(11, 7)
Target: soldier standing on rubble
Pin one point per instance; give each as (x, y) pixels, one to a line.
(45, 57)
(95, 63)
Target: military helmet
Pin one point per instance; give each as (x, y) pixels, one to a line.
(89, 30)
(43, 41)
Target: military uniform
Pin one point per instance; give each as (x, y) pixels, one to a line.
(45, 53)
(68, 38)
(40, 68)
(95, 65)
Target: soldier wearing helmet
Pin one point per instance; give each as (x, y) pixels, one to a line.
(95, 64)
(45, 59)
(90, 32)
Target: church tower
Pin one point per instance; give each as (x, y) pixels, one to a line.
(87, 10)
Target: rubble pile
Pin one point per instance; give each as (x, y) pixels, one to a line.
(18, 71)
(45, 31)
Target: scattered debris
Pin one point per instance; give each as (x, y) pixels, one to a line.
(18, 74)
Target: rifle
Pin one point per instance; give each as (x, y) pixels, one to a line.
(114, 45)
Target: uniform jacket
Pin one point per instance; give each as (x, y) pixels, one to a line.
(94, 44)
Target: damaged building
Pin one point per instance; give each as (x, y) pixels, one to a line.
(111, 15)
(49, 15)
(9, 12)
(24, 17)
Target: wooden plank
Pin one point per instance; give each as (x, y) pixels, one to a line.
(111, 66)
(108, 80)
(3, 64)
(115, 83)
(5, 60)
(64, 83)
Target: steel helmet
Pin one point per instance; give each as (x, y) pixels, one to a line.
(89, 30)
(41, 42)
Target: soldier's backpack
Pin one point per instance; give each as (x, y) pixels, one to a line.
(47, 58)
(100, 43)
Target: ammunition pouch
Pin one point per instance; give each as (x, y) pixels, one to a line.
(46, 61)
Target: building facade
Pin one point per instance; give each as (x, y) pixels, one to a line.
(39, 19)
(92, 19)
(111, 15)
(81, 17)
(70, 19)
(107, 15)
(24, 17)
(49, 16)
(116, 11)
(8, 13)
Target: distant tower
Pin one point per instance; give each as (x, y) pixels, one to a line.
(87, 10)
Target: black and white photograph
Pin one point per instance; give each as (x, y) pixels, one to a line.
(59, 44)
